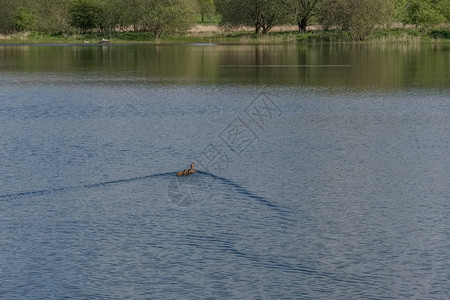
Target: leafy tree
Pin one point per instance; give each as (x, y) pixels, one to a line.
(367, 15)
(84, 14)
(133, 13)
(303, 10)
(7, 9)
(112, 15)
(51, 15)
(23, 20)
(207, 8)
(400, 12)
(443, 6)
(359, 17)
(162, 17)
(335, 13)
(426, 13)
(260, 14)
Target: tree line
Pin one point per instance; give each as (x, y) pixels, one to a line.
(160, 17)
(164, 17)
(358, 17)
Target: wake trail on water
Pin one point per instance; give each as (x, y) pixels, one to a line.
(85, 186)
(203, 175)
(243, 191)
(284, 213)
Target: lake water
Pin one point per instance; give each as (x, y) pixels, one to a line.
(324, 172)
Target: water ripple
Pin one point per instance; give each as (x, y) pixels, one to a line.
(85, 186)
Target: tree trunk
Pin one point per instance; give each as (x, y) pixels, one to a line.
(302, 24)
(203, 17)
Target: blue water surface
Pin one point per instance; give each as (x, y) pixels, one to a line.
(332, 193)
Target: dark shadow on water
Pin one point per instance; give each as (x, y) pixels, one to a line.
(85, 186)
(243, 191)
(224, 181)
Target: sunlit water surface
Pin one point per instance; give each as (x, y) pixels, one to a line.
(339, 191)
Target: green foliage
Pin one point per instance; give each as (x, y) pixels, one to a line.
(7, 10)
(443, 6)
(111, 15)
(335, 14)
(398, 35)
(23, 20)
(384, 35)
(369, 14)
(400, 10)
(207, 9)
(426, 13)
(162, 17)
(324, 37)
(51, 15)
(85, 14)
(359, 17)
(440, 34)
(260, 14)
(132, 13)
(215, 19)
(302, 11)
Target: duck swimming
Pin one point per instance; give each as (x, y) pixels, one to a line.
(187, 172)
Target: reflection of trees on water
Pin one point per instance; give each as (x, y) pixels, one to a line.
(347, 65)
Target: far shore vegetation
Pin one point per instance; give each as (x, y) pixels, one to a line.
(224, 21)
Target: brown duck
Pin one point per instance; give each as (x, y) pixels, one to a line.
(187, 172)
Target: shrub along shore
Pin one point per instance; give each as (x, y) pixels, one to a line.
(394, 35)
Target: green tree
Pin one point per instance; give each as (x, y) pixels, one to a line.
(51, 15)
(367, 15)
(112, 15)
(7, 9)
(303, 10)
(335, 14)
(162, 17)
(133, 13)
(207, 8)
(426, 13)
(400, 11)
(260, 14)
(15, 14)
(23, 19)
(359, 17)
(85, 14)
(443, 6)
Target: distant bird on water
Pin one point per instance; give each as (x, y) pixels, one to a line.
(104, 41)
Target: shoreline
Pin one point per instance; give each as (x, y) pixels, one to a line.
(212, 34)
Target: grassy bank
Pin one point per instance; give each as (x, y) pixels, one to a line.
(396, 35)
